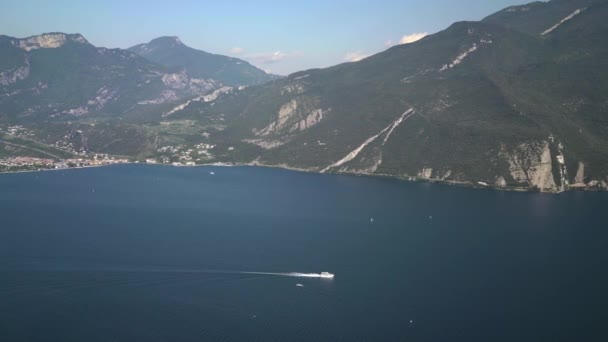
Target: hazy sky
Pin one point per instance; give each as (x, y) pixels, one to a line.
(280, 36)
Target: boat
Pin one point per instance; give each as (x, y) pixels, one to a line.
(327, 275)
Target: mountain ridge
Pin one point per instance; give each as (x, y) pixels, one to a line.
(170, 51)
(493, 103)
(486, 57)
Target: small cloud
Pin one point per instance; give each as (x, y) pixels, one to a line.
(237, 50)
(388, 43)
(355, 56)
(268, 57)
(410, 38)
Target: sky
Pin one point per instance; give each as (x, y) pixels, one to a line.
(277, 36)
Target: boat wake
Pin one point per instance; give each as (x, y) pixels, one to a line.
(287, 274)
(325, 275)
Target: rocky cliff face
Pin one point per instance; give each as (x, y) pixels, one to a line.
(48, 41)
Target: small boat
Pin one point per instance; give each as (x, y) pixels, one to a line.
(327, 275)
(299, 285)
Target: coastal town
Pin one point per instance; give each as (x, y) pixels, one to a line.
(176, 155)
(13, 164)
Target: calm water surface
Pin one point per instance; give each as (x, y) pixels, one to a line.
(151, 253)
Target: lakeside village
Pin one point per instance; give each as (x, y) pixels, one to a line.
(37, 164)
(179, 155)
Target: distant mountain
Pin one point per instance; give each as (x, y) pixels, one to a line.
(519, 99)
(171, 52)
(57, 75)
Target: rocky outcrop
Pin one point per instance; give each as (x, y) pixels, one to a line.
(426, 173)
(14, 75)
(312, 119)
(579, 179)
(531, 164)
(182, 81)
(164, 96)
(48, 41)
(292, 117)
(104, 96)
(203, 98)
(500, 182)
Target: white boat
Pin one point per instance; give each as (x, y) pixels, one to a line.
(327, 275)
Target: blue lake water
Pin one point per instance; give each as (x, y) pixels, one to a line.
(152, 253)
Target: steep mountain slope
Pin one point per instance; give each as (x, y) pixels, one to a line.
(479, 103)
(171, 52)
(62, 75)
(540, 18)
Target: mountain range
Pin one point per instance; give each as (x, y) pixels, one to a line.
(171, 52)
(58, 75)
(518, 100)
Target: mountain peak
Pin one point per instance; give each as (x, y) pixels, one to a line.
(49, 40)
(167, 40)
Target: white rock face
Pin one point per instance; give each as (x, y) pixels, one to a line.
(104, 96)
(580, 174)
(569, 17)
(292, 89)
(354, 153)
(12, 76)
(285, 113)
(203, 98)
(288, 109)
(164, 96)
(501, 182)
(82, 110)
(425, 173)
(531, 163)
(312, 119)
(48, 41)
(181, 81)
(215, 94)
(176, 80)
(460, 58)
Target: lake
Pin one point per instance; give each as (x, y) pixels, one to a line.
(156, 253)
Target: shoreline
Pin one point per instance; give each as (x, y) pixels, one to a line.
(296, 169)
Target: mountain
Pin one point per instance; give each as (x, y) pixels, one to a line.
(540, 18)
(519, 99)
(58, 75)
(171, 52)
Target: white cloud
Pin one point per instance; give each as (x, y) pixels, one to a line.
(237, 50)
(355, 56)
(388, 43)
(268, 57)
(410, 38)
(262, 58)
